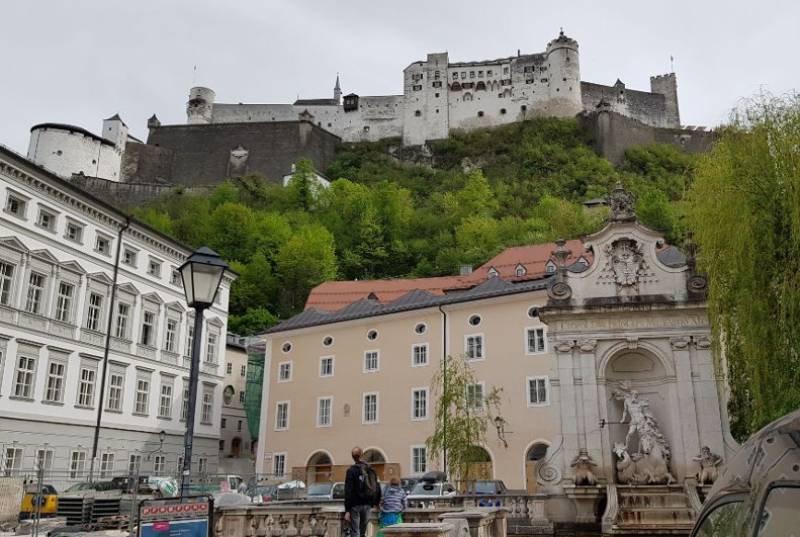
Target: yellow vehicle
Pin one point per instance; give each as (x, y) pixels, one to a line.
(48, 502)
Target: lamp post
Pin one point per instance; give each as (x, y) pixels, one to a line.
(201, 274)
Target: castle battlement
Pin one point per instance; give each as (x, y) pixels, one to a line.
(440, 97)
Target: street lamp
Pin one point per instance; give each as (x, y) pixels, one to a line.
(201, 274)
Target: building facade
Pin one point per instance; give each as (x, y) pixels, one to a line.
(235, 442)
(600, 349)
(440, 96)
(58, 247)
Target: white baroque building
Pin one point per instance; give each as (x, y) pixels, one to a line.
(440, 96)
(58, 246)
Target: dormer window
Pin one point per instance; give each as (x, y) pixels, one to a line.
(520, 270)
(492, 273)
(550, 267)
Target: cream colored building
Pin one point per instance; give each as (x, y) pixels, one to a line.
(566, 331)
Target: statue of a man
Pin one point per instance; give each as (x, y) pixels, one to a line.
(634, 410)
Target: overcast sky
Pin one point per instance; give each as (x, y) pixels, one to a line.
(79, 61)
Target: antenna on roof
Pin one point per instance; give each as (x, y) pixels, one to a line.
(671, 63)
(194, 75)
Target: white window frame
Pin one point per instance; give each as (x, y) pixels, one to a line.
(154, 267)
(291, 371)
(147, 379)
(90, 383)
(377, 367)
(364, 408)
(58, 381)
(134, 256)
(30, 373)
(482, 384)
(414, 469)
(76, 225)
(278, 404)
(482, 357)
(207, 405)
(94, 312)
(166, 382)
(121, 388)
(14, 455)
(126, 321)
(151, 326)
(7, 283)
(528, 350)
(35, 295)
(212, 341)
(414, 391)
(528, 390)
(333, 365)
(414, 347)
(44, 458)
(280, 456)
(52, 217)
(159, 464)
(77, 465)
(64, 303)
(328, 398)
(171, 336)
(107, 464)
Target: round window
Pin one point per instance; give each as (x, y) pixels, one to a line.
(421, 328)
(327, 341)
(372, 335)
(286, 347)
(533, 312)
(475, 320)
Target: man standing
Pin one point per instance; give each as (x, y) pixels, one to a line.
(361, 492)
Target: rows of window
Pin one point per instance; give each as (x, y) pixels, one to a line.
(74, 231)
(418, 461)
(55, 392)
(537, 393)
(229, 369)
(77, 464)
(67, 287)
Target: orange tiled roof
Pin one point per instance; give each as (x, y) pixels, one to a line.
(334, 295)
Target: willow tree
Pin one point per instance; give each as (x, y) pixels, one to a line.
(463, 416)
(745, 213)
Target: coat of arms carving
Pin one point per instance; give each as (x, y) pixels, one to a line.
(626, 261)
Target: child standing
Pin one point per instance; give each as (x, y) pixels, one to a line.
(393, 504)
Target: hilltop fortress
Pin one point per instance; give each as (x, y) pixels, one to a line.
(440, 97)
(221, 140)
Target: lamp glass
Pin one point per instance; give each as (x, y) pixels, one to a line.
(200, 282)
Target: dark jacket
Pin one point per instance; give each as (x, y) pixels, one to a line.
(353, 495)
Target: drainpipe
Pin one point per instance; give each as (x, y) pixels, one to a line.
(106, 348)
(444, 380)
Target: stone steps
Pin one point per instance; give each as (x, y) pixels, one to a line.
(658, 510)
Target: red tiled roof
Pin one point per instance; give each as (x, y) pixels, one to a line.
(334, 295)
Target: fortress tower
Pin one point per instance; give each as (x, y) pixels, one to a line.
(200, 105)
(667, 85)
(337, 91)
(115, 131)
(564, 76)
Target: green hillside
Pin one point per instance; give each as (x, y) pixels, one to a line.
(395, 212)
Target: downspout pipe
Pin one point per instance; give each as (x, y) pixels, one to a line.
(444, 382)
(104, 373)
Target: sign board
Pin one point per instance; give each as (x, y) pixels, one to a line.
(176, 517)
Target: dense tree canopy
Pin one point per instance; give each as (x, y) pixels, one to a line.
(394, 211)
(745, 212)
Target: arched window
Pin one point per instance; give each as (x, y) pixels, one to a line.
(467, 97)
(455, 86)
(480, 86)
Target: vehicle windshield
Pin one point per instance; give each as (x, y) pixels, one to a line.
(485, 487)
(320, 490)
(79, 486)
(427, 489)
(268, 490)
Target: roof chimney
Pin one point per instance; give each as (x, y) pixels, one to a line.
(465, 270)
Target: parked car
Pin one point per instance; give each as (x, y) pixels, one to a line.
(48, 502)
(291, 490)
(320, 491)
(408, 483)
(426, 493)
(489, 489)
(758, 491)
(263, 493)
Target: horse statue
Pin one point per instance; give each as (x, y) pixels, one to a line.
(649, 467)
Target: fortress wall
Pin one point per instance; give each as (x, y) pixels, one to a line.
(146, 162)
(201, 154)
(128, 195)
(649, 108)
(613, 134)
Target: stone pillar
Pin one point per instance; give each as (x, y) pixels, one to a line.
(567, 396)
(592, 439)
(687, 409)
